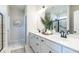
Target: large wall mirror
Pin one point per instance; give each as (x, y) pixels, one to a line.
(60, 16)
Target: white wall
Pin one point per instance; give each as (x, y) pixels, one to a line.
(33, 17)
(72, 8)
(76, 21)
(33, 14)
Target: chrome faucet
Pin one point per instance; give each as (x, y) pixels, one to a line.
(63, 34)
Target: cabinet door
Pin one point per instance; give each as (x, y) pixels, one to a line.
(54, 46)
(46, 49)
(67, 50)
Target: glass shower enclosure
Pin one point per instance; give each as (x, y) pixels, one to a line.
(17, 26)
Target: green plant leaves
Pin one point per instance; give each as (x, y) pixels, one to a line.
(48, 24)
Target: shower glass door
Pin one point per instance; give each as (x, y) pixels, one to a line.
(17, 26)
(17, 35)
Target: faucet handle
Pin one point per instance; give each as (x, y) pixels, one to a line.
(65, 35)
(62, 33)
(74, 31)
(68, 31)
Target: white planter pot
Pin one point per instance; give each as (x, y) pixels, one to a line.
(48, 32)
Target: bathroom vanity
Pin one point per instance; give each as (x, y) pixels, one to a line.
(62, 21)
(54, 43)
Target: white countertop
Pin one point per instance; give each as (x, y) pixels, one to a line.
(72, 40)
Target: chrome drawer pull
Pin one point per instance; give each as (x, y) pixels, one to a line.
(37, 38)
(42, 40)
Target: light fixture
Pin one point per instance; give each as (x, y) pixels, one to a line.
(43, 8)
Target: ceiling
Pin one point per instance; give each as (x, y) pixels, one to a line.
(18, 7)
(58, 9)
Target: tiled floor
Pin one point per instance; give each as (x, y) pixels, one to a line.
(21, 50)
(17, 49)
(26, 49)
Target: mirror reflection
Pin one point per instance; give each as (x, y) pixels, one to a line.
(59, 15)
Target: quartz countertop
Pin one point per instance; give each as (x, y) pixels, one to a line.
(72, 40)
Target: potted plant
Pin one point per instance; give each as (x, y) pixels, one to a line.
(48, 24)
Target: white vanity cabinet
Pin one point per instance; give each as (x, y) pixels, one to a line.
(37, 44)
(68, 50)
(34, 43)
(43, 45)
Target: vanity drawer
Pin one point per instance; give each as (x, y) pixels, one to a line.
(34, 38)
(54, 46)
(46, 49)
(35, 47)
(31, 36)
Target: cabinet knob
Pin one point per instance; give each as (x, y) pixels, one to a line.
(42, 40)
(36, 37)
(50, 51)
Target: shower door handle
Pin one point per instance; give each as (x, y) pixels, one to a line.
(1, 28)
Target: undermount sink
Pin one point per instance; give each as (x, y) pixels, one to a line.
(70, 37)
(73, 36)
